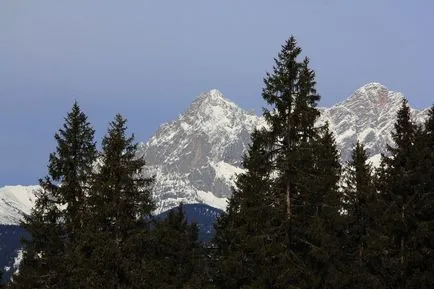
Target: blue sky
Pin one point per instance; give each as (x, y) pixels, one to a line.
(149, 59)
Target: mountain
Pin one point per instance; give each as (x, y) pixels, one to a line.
(203, 216)
(10, 249)
(14, 202)
(196, 156)
(368, 115)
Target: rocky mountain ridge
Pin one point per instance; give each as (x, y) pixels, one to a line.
(196, 156)
(14, 202)
(368, 115)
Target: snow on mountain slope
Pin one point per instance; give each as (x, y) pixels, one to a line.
(196, 156)
(368, 115)
(14, 202)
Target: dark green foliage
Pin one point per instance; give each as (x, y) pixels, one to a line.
(420, 258)
(44, 256)
(282, 220)
(70, 168)
(120, 197)
(247, 247)
(399, 195)
(407, 182)
(119, 206)
(307, 165)
(322, 225)
(361, 215)
(204, 216)
(92, 227)
(58, 213)
(175, 260)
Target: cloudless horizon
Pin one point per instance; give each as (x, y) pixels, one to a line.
(150, 59)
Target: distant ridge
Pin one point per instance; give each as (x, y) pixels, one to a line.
(196, 156)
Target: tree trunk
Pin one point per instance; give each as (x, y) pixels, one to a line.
(288, 200)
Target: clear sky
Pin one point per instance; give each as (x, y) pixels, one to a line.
(149, 59)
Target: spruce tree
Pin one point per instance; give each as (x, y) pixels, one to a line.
(119, 208)
(175, 260)
(290, 91)
(70, 167)
(271, 235)
(361, 213)
(60, 205)
(307, 165)
(321, 220)
(400, 196)
(247, 234)
(420, 256)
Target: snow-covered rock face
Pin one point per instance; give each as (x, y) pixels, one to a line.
(196, 156)
(368, 116)
(16, 201)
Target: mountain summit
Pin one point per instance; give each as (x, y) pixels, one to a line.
(211, 113)
(368, 115)
(376, 95)
(196, 156)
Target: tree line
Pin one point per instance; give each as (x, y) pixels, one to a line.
(297, 218)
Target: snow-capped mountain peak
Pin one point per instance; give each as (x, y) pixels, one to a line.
(210, 112)
(15, 201)
(375, 96)
(196, 156)
(213, 94)
(212, 98)
(368, 116)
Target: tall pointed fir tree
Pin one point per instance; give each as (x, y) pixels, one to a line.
(58, 214)
(246, 247)
(298, 180)
(361, 221)
(120, 205)
(176, 257)
(307, 165)
(401, 197)
(420, 255)
(321, 223)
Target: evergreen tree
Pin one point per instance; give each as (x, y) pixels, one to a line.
(321, 220)
(307, 165)
(420, 256)
(247, 234)
(70, 168)
(361, 212)
(175, 260)
(401, 197)
(290, 92)
(271, 235)
(58, 213)
(120, 206)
